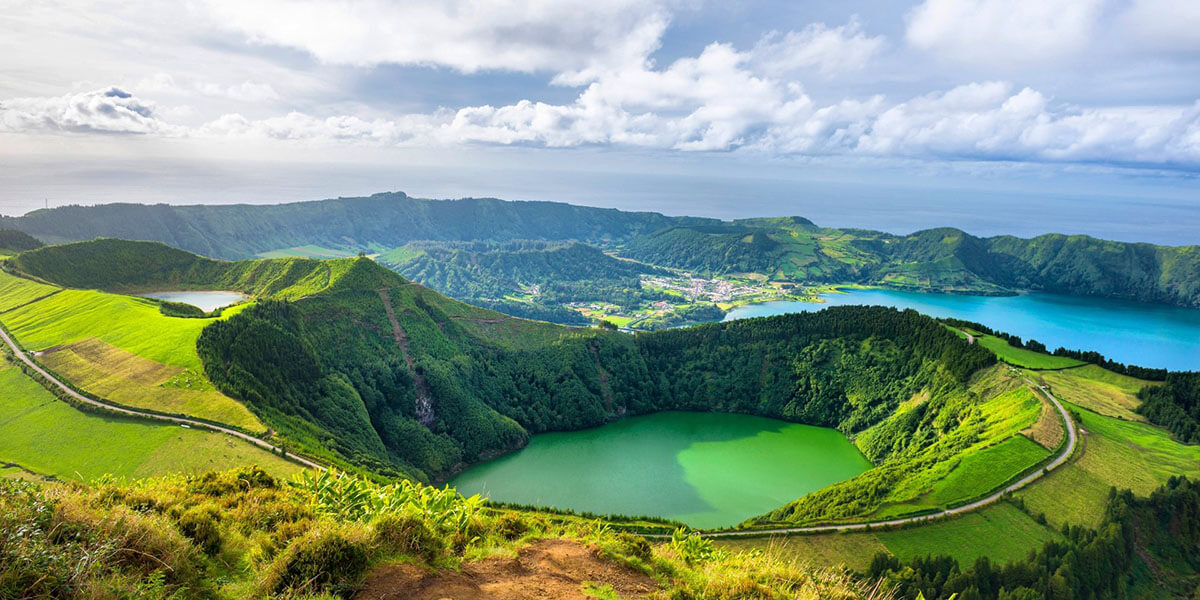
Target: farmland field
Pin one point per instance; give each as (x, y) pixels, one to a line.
(121, 348)
(1024, 358)
(48, 436)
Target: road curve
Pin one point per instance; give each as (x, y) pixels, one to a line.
(148, 415)
(1072, 437)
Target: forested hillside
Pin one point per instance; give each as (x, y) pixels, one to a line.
(12, 241)
(381, 221)
(127, 266)
(787, 249)
(530, 279)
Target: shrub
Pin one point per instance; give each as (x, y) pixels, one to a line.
(200, 526)
(327, 559)
(217, 483)
(635, 545)
(511, 526)
(180, 309)
(405, 534)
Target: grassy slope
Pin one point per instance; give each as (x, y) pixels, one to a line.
(124, 326)
(1001, 532)
(983, 471)
(1125, 454)
(1097, 389)
(1024, 358)
(48, 436)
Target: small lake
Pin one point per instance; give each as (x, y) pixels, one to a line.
(1149, 335)
(206, 301)
(705, 469)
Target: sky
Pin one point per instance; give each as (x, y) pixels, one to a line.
(996, 116)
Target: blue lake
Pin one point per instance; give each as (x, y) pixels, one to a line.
(1149, 335)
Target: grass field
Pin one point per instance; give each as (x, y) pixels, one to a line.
(855, 550)
(1097, 389)
(983, 471)
(121, 348)
(1124, 454)
(1002, 532)
(15, 291)
(48, 436)
(1022, 357)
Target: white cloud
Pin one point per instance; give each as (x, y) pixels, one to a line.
(110, 110)
(576, 38)
(828, 50)
(1003, 32)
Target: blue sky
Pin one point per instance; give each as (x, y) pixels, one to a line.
(1016, 116)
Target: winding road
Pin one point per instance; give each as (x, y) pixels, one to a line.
(1072, 437)
(149, 415)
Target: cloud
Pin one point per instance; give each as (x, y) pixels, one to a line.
(577, 39)
(109, 110)
(827, 50)
(1003, 32)
(246, 91)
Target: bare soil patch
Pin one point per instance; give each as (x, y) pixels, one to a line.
(547, 569)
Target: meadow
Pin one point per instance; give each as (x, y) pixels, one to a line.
(48, 436)
(121, 348)
(1115, 453)
(1096, 389)
(1024, 358)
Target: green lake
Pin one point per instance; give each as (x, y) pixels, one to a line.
(705, 469)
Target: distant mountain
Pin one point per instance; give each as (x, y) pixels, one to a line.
(381, 221)
(791, 248)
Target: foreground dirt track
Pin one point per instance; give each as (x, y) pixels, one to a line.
(550, 569)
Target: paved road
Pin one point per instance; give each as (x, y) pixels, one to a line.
(1058, 460)
(146, 415)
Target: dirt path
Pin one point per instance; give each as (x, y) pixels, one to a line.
(54, 381)
(1072, 438)
(546, 569)
(424, 406)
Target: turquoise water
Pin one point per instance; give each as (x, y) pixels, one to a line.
(1149, 335)
(206, 301)
(705, 469)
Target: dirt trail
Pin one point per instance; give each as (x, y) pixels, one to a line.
(547, 569)
(424, 398)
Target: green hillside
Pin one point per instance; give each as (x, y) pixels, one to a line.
(527, 279)
(12, 242)
(785, 249)
(383, 221)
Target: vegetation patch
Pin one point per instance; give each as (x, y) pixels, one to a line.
(1024, 358)
(126, 378)
(985, 470)
(1096, 389)
(1114, 453)
(48, 436)
(1001, 532)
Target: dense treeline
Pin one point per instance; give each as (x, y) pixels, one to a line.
(1143, 545)
(1174, 405)
(12, 240)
